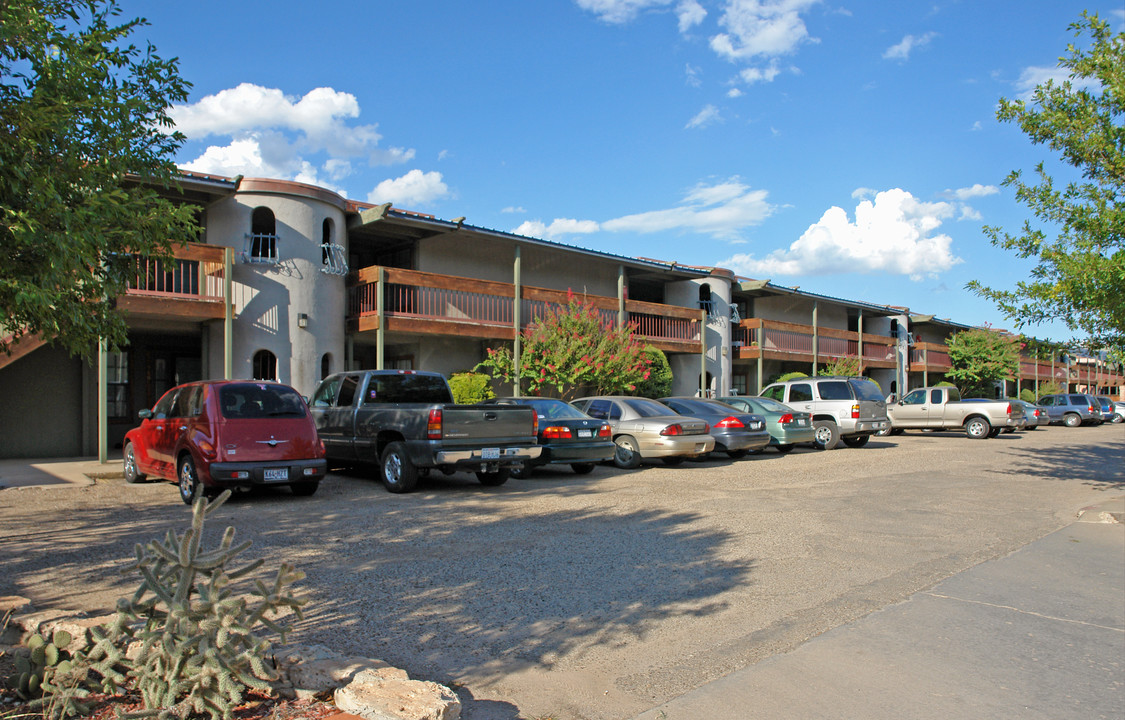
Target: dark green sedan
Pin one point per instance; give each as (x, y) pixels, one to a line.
(787, 427)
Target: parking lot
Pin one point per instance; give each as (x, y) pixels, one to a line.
(597, 596)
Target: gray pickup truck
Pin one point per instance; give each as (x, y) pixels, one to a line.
(406, 422)
(941, 408)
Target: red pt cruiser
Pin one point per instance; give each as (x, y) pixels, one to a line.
(212, 435)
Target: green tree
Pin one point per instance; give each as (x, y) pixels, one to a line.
(572, 350)
(1079, 277)
(981, 357)
(85, 143)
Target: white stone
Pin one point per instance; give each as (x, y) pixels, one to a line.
(383, 695)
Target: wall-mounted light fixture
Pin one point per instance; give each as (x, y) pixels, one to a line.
(302, 320)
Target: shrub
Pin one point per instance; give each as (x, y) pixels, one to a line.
(1027, 395)
(470, 387)
(659, 382)
(790, 376)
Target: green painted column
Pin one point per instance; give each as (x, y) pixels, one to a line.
(517, 321)
(103, 404)
(228, 314)
(381, 332)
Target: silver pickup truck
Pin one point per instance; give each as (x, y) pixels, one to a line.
(941, 408)
(406, 422)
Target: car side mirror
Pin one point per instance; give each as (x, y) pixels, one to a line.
(145, 414)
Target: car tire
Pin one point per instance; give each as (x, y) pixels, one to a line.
(738, 454)
(1072, 420)
(827, 434)
(397, 470)
(305, 489)
(884, 432)
(495, 478)
(784, 449)
(995, 432)
(129, 460)
(521, 470)
(1118, 419)
(627, 456)
(673, 461)
(856, 441)
(582, 468)
(977, 428)
(188, 480)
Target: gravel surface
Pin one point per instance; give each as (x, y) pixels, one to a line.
(596, 597)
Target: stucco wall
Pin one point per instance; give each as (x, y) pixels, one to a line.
(269, 299)
(43, 409)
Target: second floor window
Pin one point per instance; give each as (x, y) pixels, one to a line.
(331, 253)
(261, 243)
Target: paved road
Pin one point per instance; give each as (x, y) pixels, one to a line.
(604, 596)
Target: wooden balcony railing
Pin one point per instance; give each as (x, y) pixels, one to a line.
(430, 303)
(191, 286)
(777, 340)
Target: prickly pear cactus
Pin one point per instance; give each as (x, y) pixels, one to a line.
(43, 657)
(192, 622)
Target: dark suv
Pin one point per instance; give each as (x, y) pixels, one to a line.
(851, 409)
(1072, 409)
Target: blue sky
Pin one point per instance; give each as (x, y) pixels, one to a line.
(847, 147)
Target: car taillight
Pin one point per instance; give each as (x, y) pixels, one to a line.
(433, 425)
(557, 432)
(855, 411)
(673, 430)
(785, 419)
(730, 422)
(206, 448)
(323, 450)
(1092, 409)
(1009, 410)
(605, 431)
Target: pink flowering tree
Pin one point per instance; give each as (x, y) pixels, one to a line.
(572, 350)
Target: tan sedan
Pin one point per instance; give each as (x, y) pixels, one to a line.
(644, 429)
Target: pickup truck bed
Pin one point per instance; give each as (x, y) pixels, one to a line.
(941, 408)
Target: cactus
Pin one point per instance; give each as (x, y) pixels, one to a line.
(193, 622)
(43, 657)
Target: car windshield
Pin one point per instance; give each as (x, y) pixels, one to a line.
(648, 408)
(550, 408)
(259, 400)
(867, 390)
(768, 405)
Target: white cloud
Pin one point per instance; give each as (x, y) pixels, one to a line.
(514, 209)
(1031, 77)
(559, 227)
(692, 73)
(277, 135)
(906, 46)
(720, 210)
(977, 190)
(620, 11)
(704, 117)
(734, 93)
(413, 188)
(690, 14)
(895, 233)
(753, 75)
(761, 28)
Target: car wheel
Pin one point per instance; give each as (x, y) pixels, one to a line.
(397, 471)
(493, 479)
(673, 461)
(1072, 420)
(1118, 418)
(738, 454)
(627, 456)
(827, 434)
(188, 480)
(305, 489)
(783, 449)
(582, 468)
(521, 470)
(132, 474)
(977, 428)
(856, 441)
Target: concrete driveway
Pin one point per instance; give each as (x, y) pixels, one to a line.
(601, 596)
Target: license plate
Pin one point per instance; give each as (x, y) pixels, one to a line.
(490, 454)
(801, 423)
(276, 474)
(585, 433)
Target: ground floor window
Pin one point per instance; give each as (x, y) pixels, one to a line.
(117, 384)
(739, 385)
(265, 365)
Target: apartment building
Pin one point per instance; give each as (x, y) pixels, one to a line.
(292, 282)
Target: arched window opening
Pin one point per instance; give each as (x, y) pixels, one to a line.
(705, 300)
(325, 365)
(265, 365)
(261, 243)
(333, 260)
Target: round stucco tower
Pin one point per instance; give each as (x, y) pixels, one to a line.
(288, 285)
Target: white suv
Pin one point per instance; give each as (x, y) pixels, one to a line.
(851, 409)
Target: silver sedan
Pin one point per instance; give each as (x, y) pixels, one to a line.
(645, 429)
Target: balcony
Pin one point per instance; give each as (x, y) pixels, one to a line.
(774, 340)
(190, 288)
(430, 304)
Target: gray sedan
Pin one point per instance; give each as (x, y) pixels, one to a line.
(737, 433)
(644, 429)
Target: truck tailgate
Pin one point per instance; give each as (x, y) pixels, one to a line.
(493, 423)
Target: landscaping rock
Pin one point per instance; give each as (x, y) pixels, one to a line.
(387, 695)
